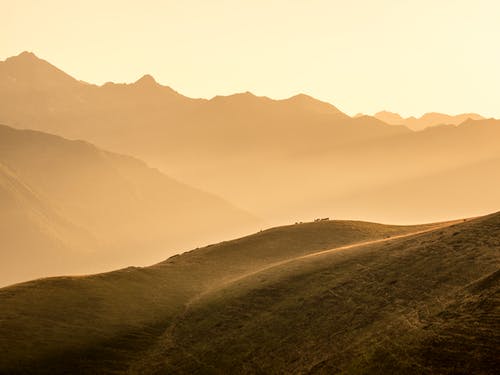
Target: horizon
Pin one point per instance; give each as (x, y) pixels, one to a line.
(347, 55)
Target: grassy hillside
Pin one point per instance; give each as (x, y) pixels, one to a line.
(276, 301)
(77, 321)
(103, 206)
(414, 305)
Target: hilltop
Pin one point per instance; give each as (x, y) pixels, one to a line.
(324, 297)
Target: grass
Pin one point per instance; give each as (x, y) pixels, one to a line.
(260, 305)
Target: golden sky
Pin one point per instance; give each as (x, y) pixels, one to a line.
(408, 56)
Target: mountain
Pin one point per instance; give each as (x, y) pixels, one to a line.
(321, 297)
(389, 117)
(70, 207)
(57, 103)
(213, 144)
(27, 71)
(282, 160)
(426, 120)
(35, 239)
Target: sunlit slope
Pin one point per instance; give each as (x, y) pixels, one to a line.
(422, 304)
(109, 320)
(117, 200)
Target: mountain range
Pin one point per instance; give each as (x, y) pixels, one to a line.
(281, 160)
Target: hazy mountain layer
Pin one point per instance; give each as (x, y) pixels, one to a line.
(426, 120)
(69, 207)
(323, 297)
(441, 172)
(35, 239)
(283, 160)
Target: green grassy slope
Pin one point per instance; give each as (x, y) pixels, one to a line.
(107, 321)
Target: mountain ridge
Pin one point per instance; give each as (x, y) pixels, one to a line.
(147, 80)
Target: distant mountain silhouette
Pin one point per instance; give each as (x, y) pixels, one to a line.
(427, 120)
(89, 110)
(389, 117)
(69, 207)
(283, 160)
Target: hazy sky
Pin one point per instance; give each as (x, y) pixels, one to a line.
(409, 56)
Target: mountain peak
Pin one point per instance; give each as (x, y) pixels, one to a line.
(240, 97)
(245, 94)
(391, 118)
(146, 80)
(24, 57)
(312, 104)
(27, 55)
(30, 70)
(303, 98)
